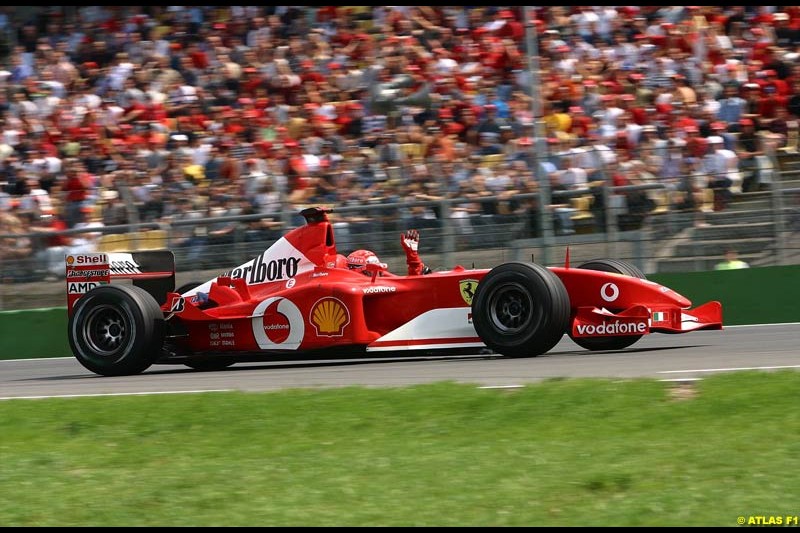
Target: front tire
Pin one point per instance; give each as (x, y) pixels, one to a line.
(520, 309)
(116, 330)
(614, 265)
(609, 343)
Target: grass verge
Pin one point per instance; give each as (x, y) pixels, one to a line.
(561, 452)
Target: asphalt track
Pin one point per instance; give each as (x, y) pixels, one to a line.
(681, 357)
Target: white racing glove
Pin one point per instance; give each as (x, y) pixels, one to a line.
(410, 241)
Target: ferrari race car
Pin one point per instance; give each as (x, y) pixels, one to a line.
(298, 300)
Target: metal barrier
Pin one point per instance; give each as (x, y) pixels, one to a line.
(593, 222)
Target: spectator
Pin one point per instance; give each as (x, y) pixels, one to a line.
(86, 241)
(748, 149)
(186, 236)
(731, 106)
(76, 189)
(716, 165)
(115, 213)
(793, 103)
(16, 251)
(731, 261)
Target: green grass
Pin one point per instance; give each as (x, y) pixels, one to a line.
(562, 452)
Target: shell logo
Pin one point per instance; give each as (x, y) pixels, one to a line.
(329, 316)
(70, 259)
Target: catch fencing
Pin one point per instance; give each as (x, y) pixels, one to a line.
(600, 220)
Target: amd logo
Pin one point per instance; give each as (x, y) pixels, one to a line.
(82, 287)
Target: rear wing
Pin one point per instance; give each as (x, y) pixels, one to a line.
(153, 271)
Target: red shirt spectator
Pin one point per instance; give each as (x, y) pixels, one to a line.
(512, 28)
(769, 101)
(76, 186)
(582, 124)
(696, 146)
(772, 80)
(309, 73)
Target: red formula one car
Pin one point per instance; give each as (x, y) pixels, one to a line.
(295, 300)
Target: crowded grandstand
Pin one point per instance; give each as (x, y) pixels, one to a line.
(180, 119)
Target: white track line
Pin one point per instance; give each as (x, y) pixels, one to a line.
(734, 369)
(111, 394)
(35, 359)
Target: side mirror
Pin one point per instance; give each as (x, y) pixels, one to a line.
(375, 268)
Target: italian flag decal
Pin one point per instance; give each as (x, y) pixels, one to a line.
(659, 316)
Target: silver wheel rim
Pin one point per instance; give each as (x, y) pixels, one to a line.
(511, 308)
(106, 329)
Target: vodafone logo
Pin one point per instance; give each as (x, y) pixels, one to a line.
(379, 290)
(613, 328)
(609, 292)
(278, 324)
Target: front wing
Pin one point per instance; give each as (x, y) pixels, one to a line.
(641, 320)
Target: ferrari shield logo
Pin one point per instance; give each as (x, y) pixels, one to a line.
(467, 288)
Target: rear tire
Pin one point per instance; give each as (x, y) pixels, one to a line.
(609, 343)
(116, 330)
(520, 309)
(186, 287)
